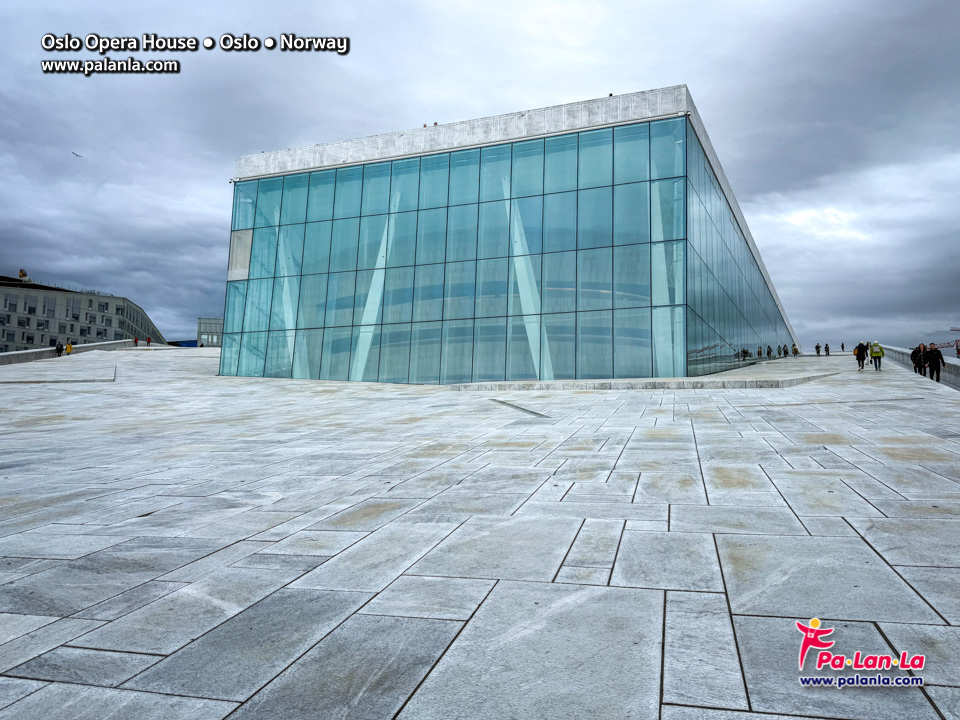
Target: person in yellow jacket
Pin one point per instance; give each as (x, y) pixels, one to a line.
(69, 348)
(876, 352)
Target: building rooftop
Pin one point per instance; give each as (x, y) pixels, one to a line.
(175, 542)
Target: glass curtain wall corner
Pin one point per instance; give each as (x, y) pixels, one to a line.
(572, 256)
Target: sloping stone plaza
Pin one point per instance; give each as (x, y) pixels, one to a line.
(178, 545)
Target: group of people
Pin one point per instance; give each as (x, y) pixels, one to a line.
(927, 357)
(826, 349)
(136, 341)
(867, 349)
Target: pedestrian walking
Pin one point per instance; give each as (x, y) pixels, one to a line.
(916, 357)
(933, 359)
(818, 349)
(769, 353)
(59, 348)
(826, 349)
(861, 354)
(148, 341)
(876, 353)
(69, 348)
(842, 349)
(136, 342)
(796, 350)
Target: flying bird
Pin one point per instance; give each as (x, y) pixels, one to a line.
(76, 154)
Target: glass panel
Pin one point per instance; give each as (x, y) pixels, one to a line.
(667, 148)
(560, 222)
(595, 279)
(456, 356)
(320, 199)
(458, 290)
(596, 158)
(595, 345)
(667, 273)
(464, 177)
(595, 218)
(489, 349)
(398, 295)
(252, 352)
(293, 209)
(244, 205)
(434, 171)
(560, 282)
(233, 313)
(462, 233)
(340, 287)
(523, 348)
(335, 361)
(349, 189)
(528, 168)
(631, 153)
(404, 188)
(316, 248)
(666, 210)
(560, 164)
(526, 226)
(376, 189)
(263, 253)
(256, 313)
(631, 214)
(431, 236)
(494, 226)
(268, 202)
(395, 353)
(668, 342)
(491, 287)
(495, 173)
(373, 242)
(524, 296)
(631, 276)
(238, 265)
(279, 354)
(631, 344)
(343, 245)
(229, 354)
(286, 296)
(558, 347)
(428, 293)
(425, 353)
(290, 250)
(402, 239)
(368, 299)
(313, 301)
(365, 353)
(306, 355)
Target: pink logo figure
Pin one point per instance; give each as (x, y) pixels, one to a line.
(812, 638)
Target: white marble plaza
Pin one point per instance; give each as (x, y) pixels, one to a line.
(178, 545)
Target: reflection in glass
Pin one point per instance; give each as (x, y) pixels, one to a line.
(667, 272)
(595, 279)
(631, 214)
(495, 173)
(279, 361)
(523, 348)
(405, 185)
(560, 222)
(233, 312)
(316, 248)
(631, 276)
(286, 295)
(528, 168)
(290, 250)
(268, 202)
(595, 345)
(306, 354)
(434, 173)
(464, 177)
(313, 301)
(631, 343)
(560, 282)
(631, 153)
(253, 348)
(229, 354)
(395, 353)
(462, 233)
(456, 355)
(596, 158)
(348, 192)
(560, 164)
(376, 189)
(244, 204)
(335, 360)
(425, 353)
(320, 197)
(489, 349)
(595, 218)
(293, 208)
(558, 347)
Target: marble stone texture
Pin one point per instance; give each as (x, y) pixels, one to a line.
(275, 548)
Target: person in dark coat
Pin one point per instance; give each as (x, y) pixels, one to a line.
(861, 355)
(915, 357)
(59, 348)
(933, 359)
(826, 349)
(842, 349)
(818, 349)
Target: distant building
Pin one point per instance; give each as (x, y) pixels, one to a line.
(209, 332)
(38, 316)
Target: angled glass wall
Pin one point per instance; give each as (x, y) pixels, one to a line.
(554, 258)
(732, 317)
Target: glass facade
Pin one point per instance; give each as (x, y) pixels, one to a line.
(554, 258)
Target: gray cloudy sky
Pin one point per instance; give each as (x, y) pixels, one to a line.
(836, 122)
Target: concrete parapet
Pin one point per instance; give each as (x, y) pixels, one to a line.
(24, 356)
(949, 375)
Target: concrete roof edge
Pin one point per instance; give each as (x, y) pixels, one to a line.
(464, 134)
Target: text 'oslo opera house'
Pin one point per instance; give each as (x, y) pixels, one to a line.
(593, 240)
